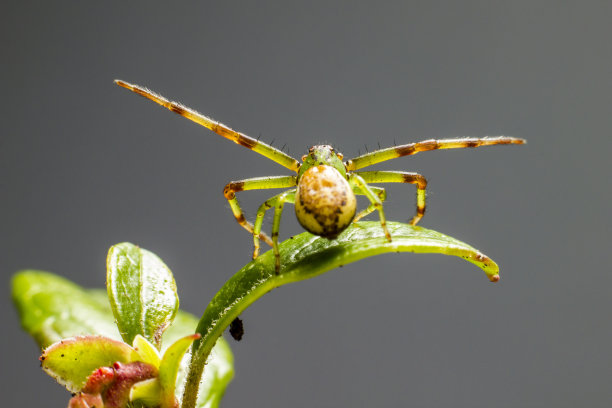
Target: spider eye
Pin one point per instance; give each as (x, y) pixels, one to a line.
(340, 155)
(304, 157)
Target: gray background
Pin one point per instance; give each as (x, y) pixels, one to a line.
(85, 164)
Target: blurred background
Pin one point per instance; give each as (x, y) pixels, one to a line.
(85, 164)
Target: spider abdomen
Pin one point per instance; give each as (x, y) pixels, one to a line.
(324, 201)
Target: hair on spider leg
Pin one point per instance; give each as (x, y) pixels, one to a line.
(236, 329)
(366, 148)
(272, 142)
(259, 136)
(379, 145)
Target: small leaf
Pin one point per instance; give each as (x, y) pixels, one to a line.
(52, 308)
(71, 361)
(146, 351)
(142, 292)
(169, 368)
(147, 392)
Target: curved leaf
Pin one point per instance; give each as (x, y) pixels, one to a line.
(146, 351)
(306, 256)
(142, 292)
(169, 368)
(52, 308)
(71, 361)
(147, 392)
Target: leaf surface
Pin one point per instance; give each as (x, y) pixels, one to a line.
(71, 361)
(142, 292)
(169, 368)
(52, 308)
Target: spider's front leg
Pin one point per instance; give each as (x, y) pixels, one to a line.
(389, 153)
(278, 202)
(258, 183)
(356, 180)
(401, 177)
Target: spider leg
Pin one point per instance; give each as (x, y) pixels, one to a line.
(389, 153)
(219, 128)
(356, 180)
(258, 183)
(380, 192)
(288, 196)
(401, 177)
(278, 202)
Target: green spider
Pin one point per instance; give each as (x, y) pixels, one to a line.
(324, 188)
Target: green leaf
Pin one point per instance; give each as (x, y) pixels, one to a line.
(71, 361)
(306, 256)
(147, 392)
(169, 368)
(52, 308)
(142, 292)
(147, 352)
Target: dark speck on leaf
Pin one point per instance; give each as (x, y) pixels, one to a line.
(236, 329)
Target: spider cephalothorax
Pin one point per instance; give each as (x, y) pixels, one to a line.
(323, 188)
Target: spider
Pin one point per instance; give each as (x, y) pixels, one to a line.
(324, 187)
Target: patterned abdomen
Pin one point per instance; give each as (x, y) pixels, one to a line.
(324, 202)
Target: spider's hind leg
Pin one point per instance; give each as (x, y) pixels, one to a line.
(401, 177)
(356, 180)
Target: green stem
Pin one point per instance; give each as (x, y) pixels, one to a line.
(202, 349)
